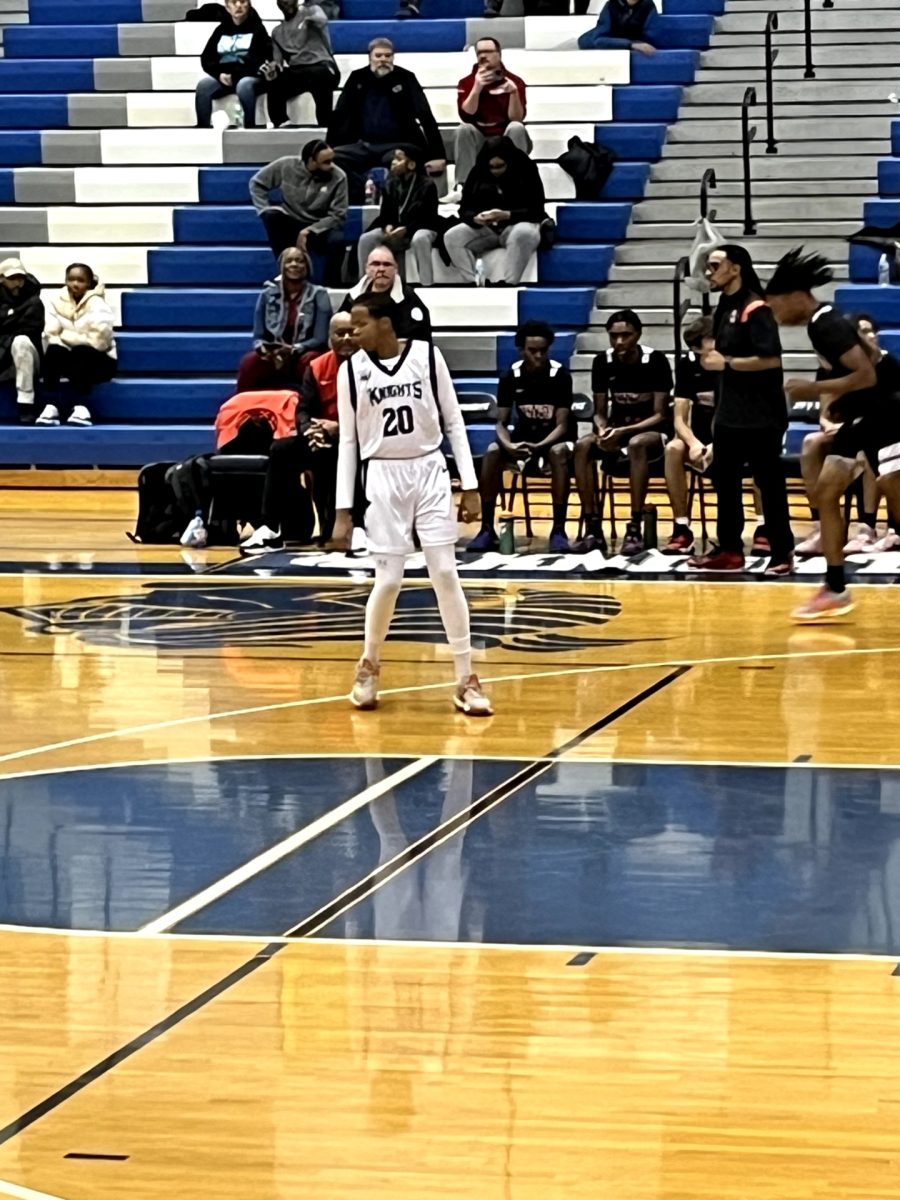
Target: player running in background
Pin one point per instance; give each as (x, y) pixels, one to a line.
(394, 407)
(869, 418)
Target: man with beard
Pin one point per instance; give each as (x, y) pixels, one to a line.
(751, 414)
(313, 209)
(382, 106)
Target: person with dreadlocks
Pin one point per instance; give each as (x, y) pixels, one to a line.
(751, 414)
(849, 395)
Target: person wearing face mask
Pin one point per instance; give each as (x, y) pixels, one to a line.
(623, 25)
(409, 214)
(502, 206)
(313, 205)
(21, 330)
(233, 59)
(302, 61)
(80, 343)
(382, 106)
(290, 327)
(409, 316)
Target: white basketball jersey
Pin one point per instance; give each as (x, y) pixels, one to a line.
(401, 407)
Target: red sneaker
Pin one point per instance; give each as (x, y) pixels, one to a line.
(681, 541)
(717, 560)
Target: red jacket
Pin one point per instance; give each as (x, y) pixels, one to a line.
(278, 408)
(492, 115)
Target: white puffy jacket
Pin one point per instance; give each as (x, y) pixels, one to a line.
(87, 323)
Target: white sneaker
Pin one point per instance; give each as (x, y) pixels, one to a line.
(80, 416)
(890, 541)
(864, 539)
(364, 693)
(359, 543)
(810, 546)
(471, 700)
(49, 415)
(195, 534)
(261, 540)
(453, 196)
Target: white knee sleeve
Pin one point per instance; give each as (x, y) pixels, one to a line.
(441, 564)
(382, 601)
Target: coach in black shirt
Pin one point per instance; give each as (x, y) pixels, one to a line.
(751, 415)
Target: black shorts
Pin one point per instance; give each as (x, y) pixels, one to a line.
(617, 457)
(876, 435)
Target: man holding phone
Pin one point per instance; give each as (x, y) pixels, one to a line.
(491, 103)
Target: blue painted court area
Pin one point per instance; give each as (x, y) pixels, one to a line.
(582, 853)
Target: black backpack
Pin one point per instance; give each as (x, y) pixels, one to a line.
(161, 519)
(589, 164)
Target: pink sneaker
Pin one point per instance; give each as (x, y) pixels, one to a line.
(810, 546)
(864, 539)
(824, 603)
(890, 541)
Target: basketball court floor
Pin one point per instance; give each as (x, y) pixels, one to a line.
(633, 937)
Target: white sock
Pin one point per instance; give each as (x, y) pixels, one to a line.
(441, 564)
(381, 603)
(682, 521)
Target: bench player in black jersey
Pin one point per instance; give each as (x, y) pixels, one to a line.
(850, 396)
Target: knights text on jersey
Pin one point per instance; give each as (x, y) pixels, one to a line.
(400, 408)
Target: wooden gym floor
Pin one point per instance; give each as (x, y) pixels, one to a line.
(632, 937)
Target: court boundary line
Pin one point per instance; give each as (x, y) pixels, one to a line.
(182, 722)
(17, 1192)
(273, 947)
(274, 854)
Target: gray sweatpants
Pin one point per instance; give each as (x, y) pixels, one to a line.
(464, 244)
(469, 141)
(24, 367)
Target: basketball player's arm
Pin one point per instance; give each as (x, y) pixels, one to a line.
(861, 376)
(455, 429)
(348, 458)
(682, 409)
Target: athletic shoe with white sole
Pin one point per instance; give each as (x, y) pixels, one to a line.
(49, 415)
(823, 604)
(864, 539)
(454, 196)
(811, 546)
(890, 541)
(364, 693)
(79, 416)
(261, 540)
(471, 700)
(359, 543)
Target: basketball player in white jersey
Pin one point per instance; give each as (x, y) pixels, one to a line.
(394, 407)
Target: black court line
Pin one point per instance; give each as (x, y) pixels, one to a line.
(581, 960)
(98, 1157)
(268, 952)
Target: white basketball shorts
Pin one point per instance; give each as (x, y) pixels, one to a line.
(407, 494)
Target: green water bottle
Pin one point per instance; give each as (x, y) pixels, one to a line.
(507, 533)
(650, 535)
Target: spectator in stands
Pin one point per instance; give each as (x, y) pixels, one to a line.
(313, 205)
(623, 25)
(80, 343)
(290, 328)
(691, 447)
(502, 206)
(491, 102)
(413, 8)
(21, 332)
(302, 61)
(409, 317)
(382, 106)
(409, 215)
(232, 59)
(314, 448)
(632, 384)
(751, 414)
(534, 402)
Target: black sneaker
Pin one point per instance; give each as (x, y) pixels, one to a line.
(592, 541)
(27, 413)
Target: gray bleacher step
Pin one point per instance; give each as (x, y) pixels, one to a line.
(844, 16)
(882, 51)
(767, 249)
(856, 38)
(661, 272)
(792, 91)
(694, 124)
(730, 208)
(642, 294)
(755, 74)
(847, 190)
(652, 231)
(781, 168)
(792, 6)
(825, 149)
(879, 107)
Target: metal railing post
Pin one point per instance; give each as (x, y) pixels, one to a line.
(747, 136)
(809, 73)
(771, 55)
(679, 306)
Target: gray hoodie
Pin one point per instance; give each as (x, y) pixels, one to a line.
(303, 41)
(319, 205)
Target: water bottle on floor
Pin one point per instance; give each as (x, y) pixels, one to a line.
(480, 274)
(507, 533)
(884, 271)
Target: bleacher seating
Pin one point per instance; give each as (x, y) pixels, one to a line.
(99, 161)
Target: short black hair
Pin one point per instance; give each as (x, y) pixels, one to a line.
(83, 267)
(376, 304)
(313, 149)
(629, 316)
(538, 329)
(696, 330)
(858, 318)
(488, 38)
(799, 272)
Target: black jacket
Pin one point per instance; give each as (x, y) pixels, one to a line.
(411, 111)
(22, 313)
(411, 319)
(410, 203)
(250, 60)
(519, 190)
